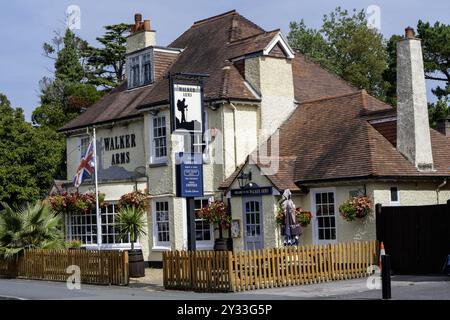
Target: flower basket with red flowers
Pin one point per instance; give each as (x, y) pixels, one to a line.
(75, 203)
(303, 217)
(357, 207)
(216, 213)
(136, 199)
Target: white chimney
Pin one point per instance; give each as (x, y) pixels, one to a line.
(413, 130)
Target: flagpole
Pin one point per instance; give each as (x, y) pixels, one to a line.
(97, 207)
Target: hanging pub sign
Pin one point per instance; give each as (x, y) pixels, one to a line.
(187, 108)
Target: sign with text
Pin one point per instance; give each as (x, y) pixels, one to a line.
(264, 191)
(189, 175)
(187, 108)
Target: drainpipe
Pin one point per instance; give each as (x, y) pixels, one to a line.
(439, 189)
(233, 107)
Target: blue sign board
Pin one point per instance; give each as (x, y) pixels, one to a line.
(190, 176)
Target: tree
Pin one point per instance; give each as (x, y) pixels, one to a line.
(29, 156)
(107, 65)
(67, 66)
(31, 227)
(390, 74)
(68, 94)
(436, 55)
(346, 46)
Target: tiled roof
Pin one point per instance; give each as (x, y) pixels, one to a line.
(332, 139)
(209, 45)
(117, 105)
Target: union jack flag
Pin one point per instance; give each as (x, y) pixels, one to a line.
(86, 167)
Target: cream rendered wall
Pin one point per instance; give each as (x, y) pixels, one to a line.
(141, 40)
(411, 194)
(273, 78)
(271, 232)
(137, 154)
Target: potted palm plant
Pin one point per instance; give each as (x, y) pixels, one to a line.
(131, 223)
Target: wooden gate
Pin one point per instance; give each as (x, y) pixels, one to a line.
(417, 238)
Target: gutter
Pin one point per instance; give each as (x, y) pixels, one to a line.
(233, 107)
(438, 189)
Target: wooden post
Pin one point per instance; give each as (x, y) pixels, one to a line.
(125, 268)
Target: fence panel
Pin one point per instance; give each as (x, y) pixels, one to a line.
(96, 267)
(267, 268)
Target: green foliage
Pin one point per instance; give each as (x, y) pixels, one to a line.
(106, 65)
(390, 74)
(29, 157)
(136, 199)
(75, 203)
(216, 213)
(346, 46)
(436, 54)
(74, 244)
(31, 227)
(131, 222)
(439, 110)
(67, 66)
(357, 207)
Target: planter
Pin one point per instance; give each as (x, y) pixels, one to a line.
(225, 244)
(136, 264)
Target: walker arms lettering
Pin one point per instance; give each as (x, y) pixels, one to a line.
(120, 143)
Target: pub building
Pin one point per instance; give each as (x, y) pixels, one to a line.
(273, 121)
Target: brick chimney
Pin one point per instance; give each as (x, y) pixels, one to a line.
(141, 36)
(413, 130)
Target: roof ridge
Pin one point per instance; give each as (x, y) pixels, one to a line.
(309, 60)
(213, 18)
(332, 97)
(238, 41)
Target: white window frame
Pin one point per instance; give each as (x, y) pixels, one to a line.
(205, 244)
(160, 245)
(140, 56)
(153, 158)
(313, 193)
(394, 203)
(93, 245)
(80, 145)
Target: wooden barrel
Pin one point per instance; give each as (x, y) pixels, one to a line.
(136, 264)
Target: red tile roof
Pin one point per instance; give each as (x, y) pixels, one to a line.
(209, 45)
(331, 139)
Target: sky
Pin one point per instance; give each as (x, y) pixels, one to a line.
(26, 24)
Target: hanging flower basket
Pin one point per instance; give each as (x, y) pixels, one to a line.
(75, 203)
(216, 213)
(136, 199)
(356, 208)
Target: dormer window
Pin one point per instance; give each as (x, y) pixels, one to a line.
(147, 68)
(140, 69)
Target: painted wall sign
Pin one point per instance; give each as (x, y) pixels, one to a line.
(187, 108)
(120, 143)
(264, 191)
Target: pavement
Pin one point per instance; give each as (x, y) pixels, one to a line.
(150, 288)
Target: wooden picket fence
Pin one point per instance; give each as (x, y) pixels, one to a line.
(96, 267)
(258, 269)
